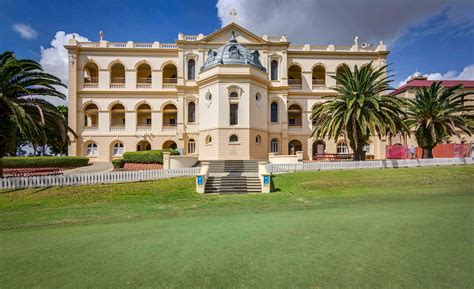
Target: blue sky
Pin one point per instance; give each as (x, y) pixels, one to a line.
(434, 36)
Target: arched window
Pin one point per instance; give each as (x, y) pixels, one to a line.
(319, 75)
(144, 116)
(191, 146)
(170, 74)
(342, 148)
(91, 116)
(234, 94)
(170, 115)
(258, 139)
(367, 148)
(91, 149)
(274, 112)
(144, 76)
(294, 115)
(117, 76)
(274, 70)
(191, 112)
(234, 114)
(191, 69)
(274, 145)
(208, 139)
(91, 75)
(118, 149)
(339, 72)
(117, 115)
(234, 139)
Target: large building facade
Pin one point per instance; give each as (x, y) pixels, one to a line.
(227, 95)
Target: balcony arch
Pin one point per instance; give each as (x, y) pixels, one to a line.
(339, 71)
(117, 116)
(143, 145)
(295, 116)
(117, 75)
(91, 115)
(294, 76)
(169, 145)
(143, 116)
(170, 75)
(170, 116)
(143, 70)
(91, 74)
(319, 75)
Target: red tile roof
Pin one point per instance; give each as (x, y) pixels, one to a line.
(425, 83)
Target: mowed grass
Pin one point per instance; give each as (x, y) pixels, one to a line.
(391, 228)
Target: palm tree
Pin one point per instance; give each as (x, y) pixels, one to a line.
(360, 109)
(438, 112)
(21, 83)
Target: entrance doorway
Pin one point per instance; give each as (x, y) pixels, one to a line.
(319, 147)
(294, 146)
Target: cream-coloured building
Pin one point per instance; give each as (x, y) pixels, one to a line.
(227, 95)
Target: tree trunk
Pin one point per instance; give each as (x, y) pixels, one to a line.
(359, 154)
(427, 153)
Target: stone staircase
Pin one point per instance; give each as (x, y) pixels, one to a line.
(233, 176)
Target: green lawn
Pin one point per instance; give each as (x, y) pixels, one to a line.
(385, 228)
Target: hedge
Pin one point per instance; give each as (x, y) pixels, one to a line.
(118, 163)
(147, 157)
(36, 162)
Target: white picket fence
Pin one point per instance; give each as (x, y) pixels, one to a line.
(347, 165)
(97, 178)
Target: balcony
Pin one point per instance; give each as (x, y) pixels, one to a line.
(117, 82)
(295, 84)
(169, 128)
(117, 128)
(146, 127)
(93, 127)
(91, 82)
(144, 82)
(319, 84)
(295, 127)
(169, 83)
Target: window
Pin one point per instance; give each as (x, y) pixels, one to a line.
(170, 74)
(144, 115)
(274, 145)
(208, 139)
(118, 149)
(144, 76)
(91, 149)
(234, 114)
(117, 115)
(208, 96)
(274, 70)
(274, 112)
(258, 139)
(258, 97)
(234, 95)
(117, 74)
(191, 146)
(191, 112)
(91, 115)
(294, 75)
(233, 139)
(191, 69)
(342, 148)
(367, 148)
(170, 114)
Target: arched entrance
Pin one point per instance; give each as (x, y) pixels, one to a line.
(143, 146)
(319, 147)
(169, 144)
(294, 146)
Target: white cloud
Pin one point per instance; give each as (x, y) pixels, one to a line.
(336, 22)
(54, 59)
(26, 31)
(466, 74)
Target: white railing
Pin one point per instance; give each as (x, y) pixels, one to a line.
(91, 85)
(95, 179)
(143, 45)
(118, 44)
(168, 45)
(89, 44)
(350, 165)
(190, 37)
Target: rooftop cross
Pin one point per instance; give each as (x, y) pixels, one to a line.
(233, 13)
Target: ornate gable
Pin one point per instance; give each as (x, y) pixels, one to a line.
(242, 35)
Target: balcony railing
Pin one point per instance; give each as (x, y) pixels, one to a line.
(144, 82)
(91, 82)
(117, 127)
(295, 84)
(169, 127)
(91, 127)
(144, 127)
(170, 83)
(117, 82)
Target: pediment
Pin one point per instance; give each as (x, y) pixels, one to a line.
(242, 35)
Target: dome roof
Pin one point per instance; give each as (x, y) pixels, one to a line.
(232, 53)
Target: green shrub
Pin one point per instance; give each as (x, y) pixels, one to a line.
(36, 162)
(118, 163)
(147, 157)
